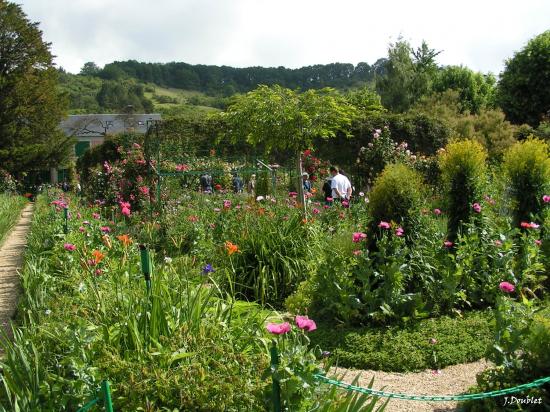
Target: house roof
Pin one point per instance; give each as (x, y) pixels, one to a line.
(100, 125)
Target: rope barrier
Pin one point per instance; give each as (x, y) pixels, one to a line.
(492, 394)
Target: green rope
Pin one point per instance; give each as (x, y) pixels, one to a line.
(492, 394)
(88, 405)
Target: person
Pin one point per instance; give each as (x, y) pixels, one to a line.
(327, 191)
(306, 182)
(237, 183)
(350, 188)
(340, 185)
(65, 186)
(206, 183)
(251, 187)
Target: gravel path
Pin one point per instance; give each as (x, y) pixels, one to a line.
(452, 380)
(11, 259)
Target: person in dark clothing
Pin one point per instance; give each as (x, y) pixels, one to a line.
(327, 191)
(238, 184)
(206, 183)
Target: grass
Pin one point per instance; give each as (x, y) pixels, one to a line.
(10, 208)
(408, 348)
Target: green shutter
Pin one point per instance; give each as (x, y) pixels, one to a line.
(81, 147)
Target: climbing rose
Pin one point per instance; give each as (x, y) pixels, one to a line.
(358, 236)
(384, 225)
(69, 246)
(546, 198)
(476, 207)
(305, 323)
(278, 328)
(506, 287)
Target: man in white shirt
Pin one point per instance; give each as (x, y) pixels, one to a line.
(341, 186)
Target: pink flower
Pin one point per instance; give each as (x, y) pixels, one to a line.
(305, 323)
(125, 204)
(476, 207)
(98, 272)
(358, 237)
(81, 229)
(227, 204)
(531, 225)
(357, 252)
(433, 341)
(105, 229)
(95, 215)
(144, 190)
(448, 243)
(326, 206)
(278, 328)
(546, 198)
(437, 212)
(538, 242)
(399, 231)
(329, 199)
(69, 246)
(78, 215)
(498, 243)
(384, 225)
(315, 211)
(345, 203)
(292, 194)
(182, 168)
(125, 211)
(506, 287)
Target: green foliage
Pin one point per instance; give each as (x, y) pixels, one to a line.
(527, 166)
(116, 96)
(366, 100)
(279, 118)
(463, 171)
(475, 90)
(408, 347)
(520, 353)
(524, 86)
(409, 75)
(31, 107)
(397, 197)
(10, 208)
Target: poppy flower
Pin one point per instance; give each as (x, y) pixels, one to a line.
(506, 287)
(304, 323)
(278, 328)
(383, 225)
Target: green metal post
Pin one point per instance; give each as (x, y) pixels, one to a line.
(107, 401)
(66, 223)
(276, 387)
(146, 266)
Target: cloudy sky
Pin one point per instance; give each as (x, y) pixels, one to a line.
(480, 34)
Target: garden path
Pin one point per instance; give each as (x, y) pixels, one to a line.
(11, 260)
(452, 380)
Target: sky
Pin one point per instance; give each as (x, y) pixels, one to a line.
(479, 34)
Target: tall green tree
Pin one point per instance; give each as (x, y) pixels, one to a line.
(30, 105)
(409, 75)
(475, 90)
(524, 86)
(279, 118)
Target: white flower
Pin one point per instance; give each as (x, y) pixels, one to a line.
(259, 198)
(48, 311)
(167, 259)
(366, 200)
(361, 194)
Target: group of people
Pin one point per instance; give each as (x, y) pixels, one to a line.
(336, 188)
(237, 183)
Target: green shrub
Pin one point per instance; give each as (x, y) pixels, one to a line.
(404, 348)
(527, 166)
(463, 171)
(397, 196)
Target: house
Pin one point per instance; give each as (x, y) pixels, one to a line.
(90, 130)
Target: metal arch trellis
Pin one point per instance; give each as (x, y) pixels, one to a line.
(179, 142)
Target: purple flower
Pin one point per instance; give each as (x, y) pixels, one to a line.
(207, 269)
